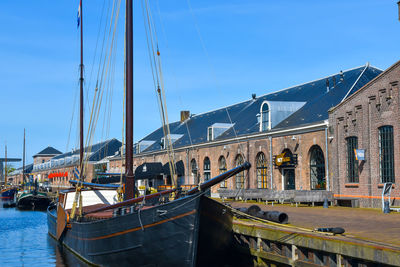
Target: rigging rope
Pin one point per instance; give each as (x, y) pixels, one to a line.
(155, 64)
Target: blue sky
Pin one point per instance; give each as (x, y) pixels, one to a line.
(254, 46)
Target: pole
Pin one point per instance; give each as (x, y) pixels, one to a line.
(81, 98)
(129, 182)
(5, 167)
(23, 160)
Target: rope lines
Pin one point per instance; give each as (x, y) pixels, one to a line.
(156, 70)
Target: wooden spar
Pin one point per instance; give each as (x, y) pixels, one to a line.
(219, 178)
(129, 182)
(74, 182)
(132, 201)
(81, 98)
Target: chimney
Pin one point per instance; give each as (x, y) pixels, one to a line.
(185, 114)
(254, 96)
(341, 76)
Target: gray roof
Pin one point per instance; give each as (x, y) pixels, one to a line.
(312, 99)
(98, 151)
(48, 151)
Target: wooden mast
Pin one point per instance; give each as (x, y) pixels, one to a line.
(23, 160)
(5, 166)
(129, 182)
(81, 97)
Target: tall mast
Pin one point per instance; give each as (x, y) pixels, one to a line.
(129, 182)
(5, 167)
(81, 96)
(23, 160)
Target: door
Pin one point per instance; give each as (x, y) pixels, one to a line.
(289, 181)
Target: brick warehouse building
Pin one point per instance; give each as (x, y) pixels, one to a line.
(59, 168)
(282, 134)
(369, 120)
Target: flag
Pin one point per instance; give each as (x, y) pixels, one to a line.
(79, 13)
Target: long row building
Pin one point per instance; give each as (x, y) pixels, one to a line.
(333, 138)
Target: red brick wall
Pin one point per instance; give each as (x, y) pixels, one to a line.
(373, 106)
(300, 145)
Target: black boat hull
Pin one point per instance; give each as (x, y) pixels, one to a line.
(191, 231)
(35, 202)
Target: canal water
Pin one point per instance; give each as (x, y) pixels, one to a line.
(24, 241)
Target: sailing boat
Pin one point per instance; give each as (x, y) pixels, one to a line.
(8, 193)
(189, 230)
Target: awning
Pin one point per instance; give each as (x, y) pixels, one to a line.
(149, 170)
(179, 168)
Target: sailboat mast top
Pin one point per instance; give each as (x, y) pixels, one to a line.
(81, 96)
(23, 160)
(129, 183)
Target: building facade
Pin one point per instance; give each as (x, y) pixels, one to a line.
(59, 169)
(367, 121)
(284, 135)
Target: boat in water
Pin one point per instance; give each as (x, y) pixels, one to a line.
(9, 197)
(32, 200)
(8, 194)
(192, 230)
(167, 228)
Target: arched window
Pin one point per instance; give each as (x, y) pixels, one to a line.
(265, 121)
(222, 169)
(240, 175)
(261, 169)
(317, 168)
(352, 163)
(386, 154)
(193, 167)
(207, 169)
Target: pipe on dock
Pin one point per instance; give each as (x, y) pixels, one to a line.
(273, 216)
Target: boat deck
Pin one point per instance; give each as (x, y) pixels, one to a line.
(105, 214)
(365, 224)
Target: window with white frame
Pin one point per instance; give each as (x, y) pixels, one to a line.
(265, 117)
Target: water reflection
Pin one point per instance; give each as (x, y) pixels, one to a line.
(24, 241)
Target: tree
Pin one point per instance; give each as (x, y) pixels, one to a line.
(10, 169)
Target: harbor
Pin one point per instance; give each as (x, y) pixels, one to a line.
(122, 151)
(258, 243)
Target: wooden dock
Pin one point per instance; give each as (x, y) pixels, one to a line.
(371, 238)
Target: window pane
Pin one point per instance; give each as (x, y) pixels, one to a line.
(239, 176)
(386, 154)
(317, 169)
(261, 171)
(222, 169)
(352, 163)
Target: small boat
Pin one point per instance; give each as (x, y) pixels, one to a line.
(9, 197)
(8, 193)
(33, 200)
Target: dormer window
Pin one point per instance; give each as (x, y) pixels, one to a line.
(174, 138)
(217, 129)
(265, 124)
